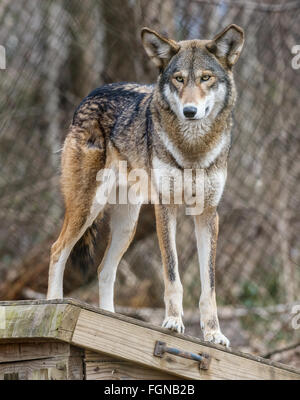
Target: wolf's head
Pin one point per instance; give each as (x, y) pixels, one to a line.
(195, 74)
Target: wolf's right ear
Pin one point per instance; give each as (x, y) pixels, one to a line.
(158, 48)
(228, 44)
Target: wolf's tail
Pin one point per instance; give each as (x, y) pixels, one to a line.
(82, 255)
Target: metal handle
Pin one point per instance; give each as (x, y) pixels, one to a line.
(161, 348)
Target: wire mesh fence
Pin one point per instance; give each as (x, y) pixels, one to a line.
(57, 51)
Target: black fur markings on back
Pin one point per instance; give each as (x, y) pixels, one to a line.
(138, 98)
(149, 123)
(121, 101)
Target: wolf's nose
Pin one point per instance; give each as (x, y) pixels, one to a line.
(190, 111)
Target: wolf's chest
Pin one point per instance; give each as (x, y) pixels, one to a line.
(195, 186)
(204, 158)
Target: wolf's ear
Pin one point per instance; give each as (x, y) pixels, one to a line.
(228, 44)
(158, 48)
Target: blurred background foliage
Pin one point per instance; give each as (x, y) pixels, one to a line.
(57, 52)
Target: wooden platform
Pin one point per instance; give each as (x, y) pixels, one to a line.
(72, 340)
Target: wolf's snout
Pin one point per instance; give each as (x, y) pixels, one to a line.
(189, 112)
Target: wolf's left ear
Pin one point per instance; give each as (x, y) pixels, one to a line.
(158, 48)
(228, 44)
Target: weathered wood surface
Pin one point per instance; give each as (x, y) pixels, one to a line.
(38, 319)
(101, 367)
(128, 339)
(51, 368)
(11, 352)
(42, 361)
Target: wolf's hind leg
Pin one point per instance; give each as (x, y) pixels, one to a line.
(123, 223)
(80, 166)
(74, 226)
(166, 232)
(206, 229)
(71, 232)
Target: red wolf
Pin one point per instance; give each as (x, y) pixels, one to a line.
(181, 122)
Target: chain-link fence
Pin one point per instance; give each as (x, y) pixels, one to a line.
(57, 51)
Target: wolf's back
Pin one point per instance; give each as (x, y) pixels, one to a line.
(112, 103)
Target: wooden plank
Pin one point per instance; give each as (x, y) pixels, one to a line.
(68, 322)
(91, 356)
(123, 371)
(52, 368)
(135, 343)
(32, 321)
(36, 350)
(99, 366)
(48, 320)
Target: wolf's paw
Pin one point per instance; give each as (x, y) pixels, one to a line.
(174, 324)
(216, 337)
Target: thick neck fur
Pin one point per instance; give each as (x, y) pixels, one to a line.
(192, 140)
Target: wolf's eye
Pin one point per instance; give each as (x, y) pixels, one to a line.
(205, 77)
(179, 79)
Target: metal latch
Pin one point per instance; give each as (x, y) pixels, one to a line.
(161, 348)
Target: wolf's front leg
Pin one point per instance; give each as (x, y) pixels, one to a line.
(166, 232)
(206, 228)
